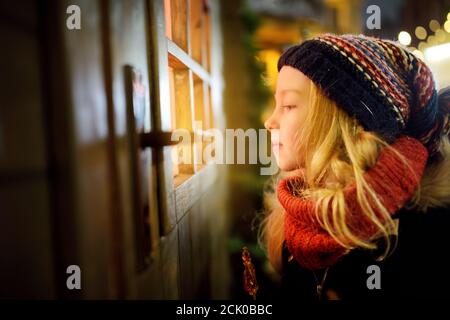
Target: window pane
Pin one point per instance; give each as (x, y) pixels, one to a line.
(196, 29)
(176, 22)
(198, 24)
(200, 125)
(180, 95)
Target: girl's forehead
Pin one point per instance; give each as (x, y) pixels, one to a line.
(290, 79)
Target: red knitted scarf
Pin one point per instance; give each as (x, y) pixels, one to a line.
(391, 180)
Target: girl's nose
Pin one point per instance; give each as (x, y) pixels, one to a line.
(271, 123)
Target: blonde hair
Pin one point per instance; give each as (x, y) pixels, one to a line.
(332, 159)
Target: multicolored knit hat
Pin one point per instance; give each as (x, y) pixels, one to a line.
(379, 82)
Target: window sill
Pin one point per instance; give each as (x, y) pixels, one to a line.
(190, 188)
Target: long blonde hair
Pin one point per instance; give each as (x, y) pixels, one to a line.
(333, 158)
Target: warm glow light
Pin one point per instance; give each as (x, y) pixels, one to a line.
(447, 26)
(440, 36)
(438, 53)
(432, 40)
(421, 33)
(422, 45)
(448, 16)
(270, 59)
(404, 38)
(434, 25)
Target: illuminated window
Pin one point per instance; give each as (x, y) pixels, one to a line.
(188, 33)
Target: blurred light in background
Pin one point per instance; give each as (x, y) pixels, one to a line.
(432, 41)
(270, 58)
(447, 26)
(440, 35)
(438, 59)
(438, 53)
(421, 33)
(422, 45)
(404, 38)
(434, 25)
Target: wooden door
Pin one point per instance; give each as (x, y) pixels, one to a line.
(136, 225)
(192, 196)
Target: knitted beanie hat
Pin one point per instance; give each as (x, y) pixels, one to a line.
(384, 86)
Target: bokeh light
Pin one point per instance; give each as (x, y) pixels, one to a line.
(434, 25)
(404, 38)
(421, 33)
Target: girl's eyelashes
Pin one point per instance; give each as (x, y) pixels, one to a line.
(288, 107)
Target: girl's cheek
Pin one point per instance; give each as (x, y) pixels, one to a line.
(289, 130)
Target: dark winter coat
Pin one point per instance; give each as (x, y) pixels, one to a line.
(418, 268)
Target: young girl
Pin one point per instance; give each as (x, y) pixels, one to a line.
(360, 206)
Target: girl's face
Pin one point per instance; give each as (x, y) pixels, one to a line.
(287, 119)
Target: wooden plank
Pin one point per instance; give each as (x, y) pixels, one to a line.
(143, 286)
(159, 85)
(179, 59)
(187, 194)
(170, 271)
(199, 242)
(190, 191)
(187, 262)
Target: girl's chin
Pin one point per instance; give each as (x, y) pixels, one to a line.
(289, 167)
(284, 166)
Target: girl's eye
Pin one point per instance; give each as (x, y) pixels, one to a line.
(288, 107)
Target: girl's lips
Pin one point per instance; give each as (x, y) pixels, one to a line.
(276, 149)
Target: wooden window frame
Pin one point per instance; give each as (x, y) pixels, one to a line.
(178, 197)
